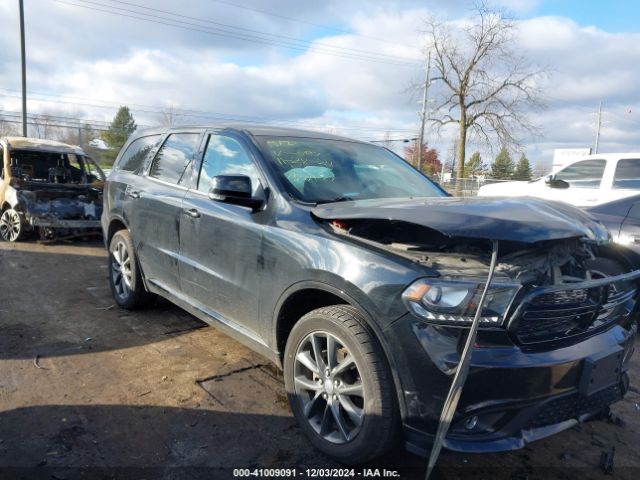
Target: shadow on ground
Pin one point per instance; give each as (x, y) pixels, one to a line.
(56, 303)
(152, 441)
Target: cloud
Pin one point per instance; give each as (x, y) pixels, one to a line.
(90, 57)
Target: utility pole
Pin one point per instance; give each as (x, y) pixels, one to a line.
(599, 124)
(423, 112)
(24, 71)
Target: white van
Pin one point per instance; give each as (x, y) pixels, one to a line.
(589, 181)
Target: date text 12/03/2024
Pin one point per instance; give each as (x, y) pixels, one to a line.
(315, 473)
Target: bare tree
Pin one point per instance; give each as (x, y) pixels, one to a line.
(388, 140)
(7, 128)
(78, 135)
(485, 87)
(44, 126)
(169, 117)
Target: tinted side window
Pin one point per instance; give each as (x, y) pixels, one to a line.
(627, 174)
(585, 174)
(135, 154)
(174, 156)
(225, 155)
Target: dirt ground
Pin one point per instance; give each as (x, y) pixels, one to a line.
(91, 391)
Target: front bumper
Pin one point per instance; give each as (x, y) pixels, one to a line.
(526, 423)
(515, 397)
(515, 393)
(53, 222)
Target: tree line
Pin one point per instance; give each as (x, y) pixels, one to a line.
(503, 166)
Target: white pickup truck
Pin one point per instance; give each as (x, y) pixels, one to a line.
(590, 181)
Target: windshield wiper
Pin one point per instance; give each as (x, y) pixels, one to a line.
(336, 200)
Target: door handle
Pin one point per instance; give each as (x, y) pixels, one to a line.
(192, 212)
(133, 194)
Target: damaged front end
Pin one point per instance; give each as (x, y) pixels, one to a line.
(49, 188)
(57, 211)
(578, 276)
(556, 331)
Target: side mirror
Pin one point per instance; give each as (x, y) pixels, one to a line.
(234, 189)
(554, 182)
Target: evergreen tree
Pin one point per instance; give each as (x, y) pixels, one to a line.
(503, 167)
(523, 169)
(474, 165)
(122, 126)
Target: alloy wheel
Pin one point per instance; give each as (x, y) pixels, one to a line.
(329, 387)
(10, 225)
(121, 274)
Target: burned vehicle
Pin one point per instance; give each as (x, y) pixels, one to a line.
(49, 188)
(361, 278)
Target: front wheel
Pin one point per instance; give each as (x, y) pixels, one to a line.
(125, 278)
(11, 228)
(339, 386)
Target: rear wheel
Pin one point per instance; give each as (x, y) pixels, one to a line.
(11, 228)
(125, 278)
(339, 386)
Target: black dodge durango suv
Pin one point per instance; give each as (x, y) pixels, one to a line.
(360, 278)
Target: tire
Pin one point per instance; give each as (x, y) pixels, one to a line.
(359, 390)
(125, 278)
(11, 226)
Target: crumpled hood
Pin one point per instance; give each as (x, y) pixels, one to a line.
(523, 219)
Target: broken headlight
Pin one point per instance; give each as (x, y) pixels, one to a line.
(454, 302)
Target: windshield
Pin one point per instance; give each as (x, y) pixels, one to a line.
(321, 171)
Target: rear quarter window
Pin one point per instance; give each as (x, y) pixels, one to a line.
(627, 174)
(134, 156)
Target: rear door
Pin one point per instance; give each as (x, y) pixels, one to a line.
(126, 177)
(626, 179)
(220, 243)
(157, 208)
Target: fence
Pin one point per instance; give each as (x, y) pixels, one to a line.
(469, 186)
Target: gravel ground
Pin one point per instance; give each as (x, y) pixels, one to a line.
(91, 391)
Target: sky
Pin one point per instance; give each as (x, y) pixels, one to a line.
(345, 67)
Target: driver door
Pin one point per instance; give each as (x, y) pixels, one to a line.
(584, 179)
(219, 242)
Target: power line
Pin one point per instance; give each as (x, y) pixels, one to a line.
(75, 121)
(326, 27)
(48, 121)
(198, 114)
(579, 106)
(300, 46)
(225, 25)
(34, 123)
